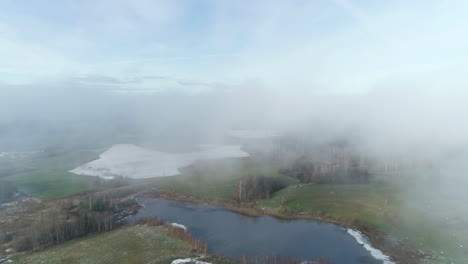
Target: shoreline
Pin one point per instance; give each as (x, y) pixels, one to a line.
(397, 253)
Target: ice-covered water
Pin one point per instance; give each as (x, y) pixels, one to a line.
(132, 161)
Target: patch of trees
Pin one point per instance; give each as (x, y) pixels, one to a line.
(325, 173)
(337, 161)
(70, 218)
(98, 205)
(251, 187)
(36, 225)
(57, 227)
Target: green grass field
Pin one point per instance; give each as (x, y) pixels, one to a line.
(217, 179)
(369, 204)
(133, 244)
(47, 177)
(361, 202)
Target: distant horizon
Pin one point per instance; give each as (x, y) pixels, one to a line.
(329, 46)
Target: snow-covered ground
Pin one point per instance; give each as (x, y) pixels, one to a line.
(132, 161)
(377, 254)
(189, 260)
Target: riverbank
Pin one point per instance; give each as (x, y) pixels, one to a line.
(397, 250)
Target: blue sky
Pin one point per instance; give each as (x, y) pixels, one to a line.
(342, 46)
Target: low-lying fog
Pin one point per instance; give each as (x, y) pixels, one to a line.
(415, 123)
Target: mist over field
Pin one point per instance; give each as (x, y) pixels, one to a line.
(384, 81)
(420, 119)
(410, 121)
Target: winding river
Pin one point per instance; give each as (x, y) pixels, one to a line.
(233, 235)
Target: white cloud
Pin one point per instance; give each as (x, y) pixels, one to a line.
(335, 46)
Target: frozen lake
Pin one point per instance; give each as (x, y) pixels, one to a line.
(132, 161)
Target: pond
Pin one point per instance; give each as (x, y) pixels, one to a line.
(233, 235)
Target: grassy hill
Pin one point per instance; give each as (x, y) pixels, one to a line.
(133, 244)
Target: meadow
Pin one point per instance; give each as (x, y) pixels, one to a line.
(46, 176)
(133, 244)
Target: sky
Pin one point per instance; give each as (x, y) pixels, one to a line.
(323, 46)
(392, 73)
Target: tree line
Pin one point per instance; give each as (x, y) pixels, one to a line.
(60, 224)
(326, 173)
(251, 187)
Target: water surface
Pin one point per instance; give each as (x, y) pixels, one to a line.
(233, 235)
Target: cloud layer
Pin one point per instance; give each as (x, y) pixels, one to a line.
(339, 46)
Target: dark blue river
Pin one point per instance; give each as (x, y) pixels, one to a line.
(233, 235)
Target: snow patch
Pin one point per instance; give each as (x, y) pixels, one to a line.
(377, 254)
(179, 226)
(131, 161)
(189, 260)
(202, 262)
(180, 261)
